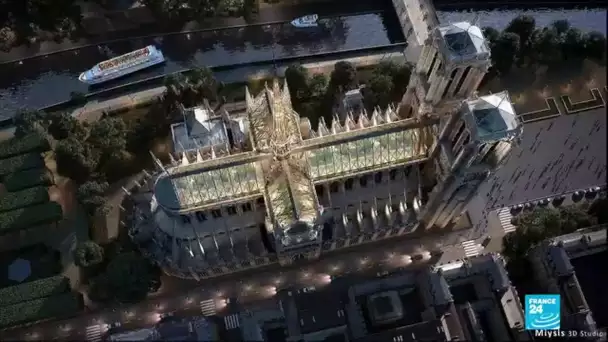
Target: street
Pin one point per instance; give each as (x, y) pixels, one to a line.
(249, 286)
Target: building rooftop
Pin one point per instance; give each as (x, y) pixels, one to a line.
(320, 310)
(493, 117)
(202, 128)
(423, 331)
(463, 40)
(593, 284)
(569, 265)
(277, 164)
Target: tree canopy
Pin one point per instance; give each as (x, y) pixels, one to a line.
(88, 254)
(297, 78)
(343, 77)
(387, 84)
(91, 196)
(521, 43)
(540, 224)
(76, 159)
(21, 20)
(191, 89)
(504, 51)
(63, 125)
(28, 121)
(128, 278)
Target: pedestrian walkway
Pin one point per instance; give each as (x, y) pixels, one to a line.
(232, 322)
(505, 217)
(93, 333)
(208, 307)
(471, 248)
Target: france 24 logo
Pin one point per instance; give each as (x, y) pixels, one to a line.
(542, 312)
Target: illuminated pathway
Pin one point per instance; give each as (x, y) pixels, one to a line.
(258, 284)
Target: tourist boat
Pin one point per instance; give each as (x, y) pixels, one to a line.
(306, 21)
(123, 65)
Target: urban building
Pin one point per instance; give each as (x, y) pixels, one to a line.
(465, 300)
(572, 266)
(242, 191)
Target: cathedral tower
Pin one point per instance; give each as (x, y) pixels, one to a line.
(472, 144)
(451, 65)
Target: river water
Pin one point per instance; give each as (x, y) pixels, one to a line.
(44, 81)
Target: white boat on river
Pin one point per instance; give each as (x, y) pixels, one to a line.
(306, 21)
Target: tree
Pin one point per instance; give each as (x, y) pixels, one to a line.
(491, 34)
(378, 90)
(572, 45)
(229, 7)
(176, 85)
(574, 217)
(29, 121)
(343, 77)
(504, 51)
(91, 196)
(109, 135)
(401, 79)
(8, 38)
(523, 26)
(317, 86)
(540, 224)
(297, 79)
(560, 26)
(169, 9)
(88, 254)
(128, 279)
(595, 45)
(91, 189)
(64, 125)
(546, 46)
(119, 165)
(385, 68)
(75, 160)
(204, 83)
(599, 210)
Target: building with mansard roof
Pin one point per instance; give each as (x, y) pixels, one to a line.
(570, 265)
(263, 186)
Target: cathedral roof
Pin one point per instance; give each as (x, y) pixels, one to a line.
(493, 117)
(463, 40)
(283, 167)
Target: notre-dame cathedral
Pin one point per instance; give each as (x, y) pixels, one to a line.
(247, 190)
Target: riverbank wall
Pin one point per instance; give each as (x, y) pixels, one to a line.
(95, 109)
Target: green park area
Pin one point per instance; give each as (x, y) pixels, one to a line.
(31, 286)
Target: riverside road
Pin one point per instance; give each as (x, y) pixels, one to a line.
(47, 80)
(43, 81)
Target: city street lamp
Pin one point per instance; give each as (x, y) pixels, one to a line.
(278, 281)
(220, 303)
(324, 279)
(154, 317)
(32, 336)
(335, 268)
(129, 314)
(406, 259)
